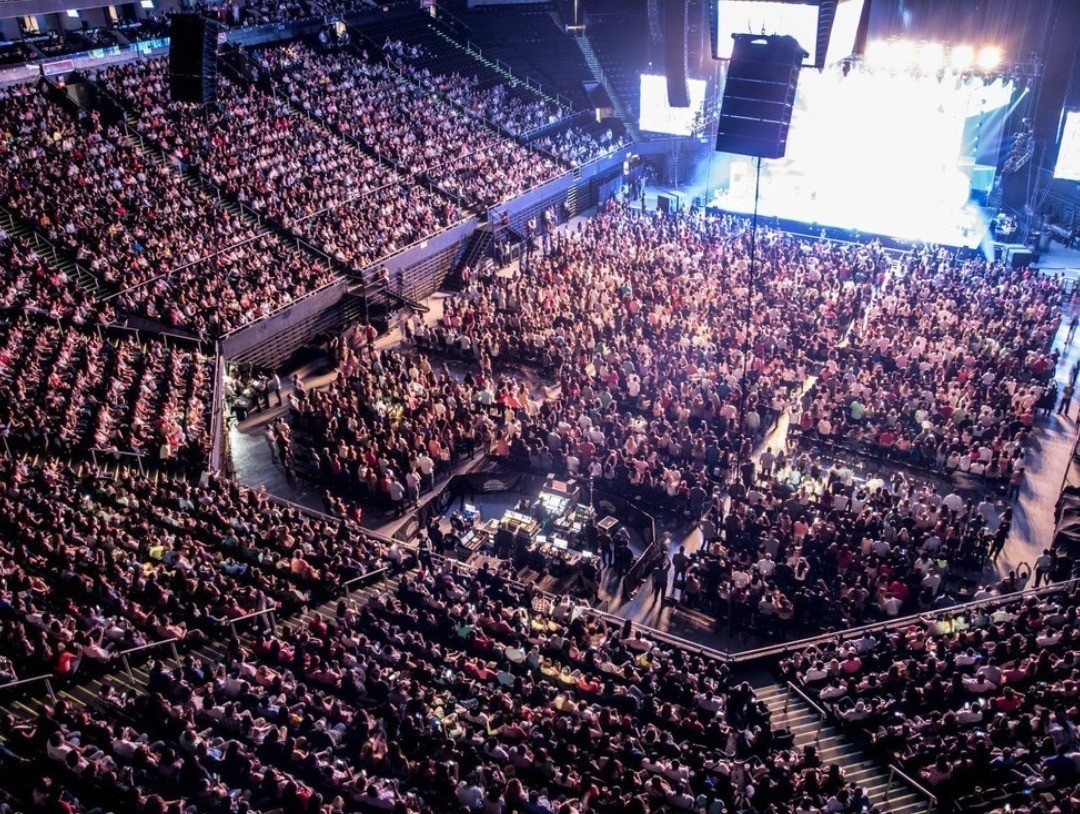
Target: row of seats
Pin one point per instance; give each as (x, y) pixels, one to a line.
(95, 564)
(449, 691)
(66, 390)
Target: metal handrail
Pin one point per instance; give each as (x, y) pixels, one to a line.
(894, 770)
(901, 621)
(22, 682)
(822, 714)
(366, 577)
(268, 612)
(125, 654)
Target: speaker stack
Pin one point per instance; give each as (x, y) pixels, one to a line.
(193, 46)
(755, 113)
(675, 21)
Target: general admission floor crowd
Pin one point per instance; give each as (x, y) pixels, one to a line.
(620, 350)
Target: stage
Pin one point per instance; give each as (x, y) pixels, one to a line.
(788, 200)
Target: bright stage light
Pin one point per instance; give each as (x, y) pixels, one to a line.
(963, 57)
(878, 53)
(931, 57)
(904, 54)
(989, 58)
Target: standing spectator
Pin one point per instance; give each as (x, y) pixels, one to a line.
(1042, 568)
(1066, 399)
(660, 578)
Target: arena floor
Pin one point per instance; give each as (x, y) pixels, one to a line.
(1047, 460)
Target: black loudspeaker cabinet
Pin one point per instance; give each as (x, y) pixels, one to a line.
(670, 203)
(759, 94)
(675, 21)
(193, 42)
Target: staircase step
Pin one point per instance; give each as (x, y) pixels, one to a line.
(834, 747)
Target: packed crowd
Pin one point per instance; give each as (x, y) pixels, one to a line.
(95, 194)
(640, 321)
(288, 168)
(518, 109)
(388, 426)
(231, 289)
(30, 284)
(981, 705)
(512, 106)
(803, 547)
(579, 145)
(91, 565)
(948, 369)
(62, 390)
(177, 255)
(412, 126)
(449, 694)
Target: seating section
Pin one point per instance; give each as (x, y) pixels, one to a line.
(289, 168)
(231, 289)
(418, 131)
(157, 559)
(178, 255)
(98, 196)
(449, 692)
(74, 392)
(528, 39)
(434, 59)
(582, 141)
(30, 284)
(979, 706)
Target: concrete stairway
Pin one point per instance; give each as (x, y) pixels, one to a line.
(791, 711)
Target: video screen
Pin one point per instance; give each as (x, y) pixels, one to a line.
(657, 116)
(1068, 163)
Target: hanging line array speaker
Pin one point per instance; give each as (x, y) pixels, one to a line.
(193, 49)
(675, 22)
(759, 94)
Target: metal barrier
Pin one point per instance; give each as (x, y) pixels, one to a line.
(896, 772)
(217, 412)
(118, 454)
(1069, 586)
(822, 714)
(125, 655)
(25, 682)
(268, 612)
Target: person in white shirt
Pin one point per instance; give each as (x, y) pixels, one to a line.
(816, 673)
(970, 714)
(932, 581)
(766, 566)
(979, 683)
